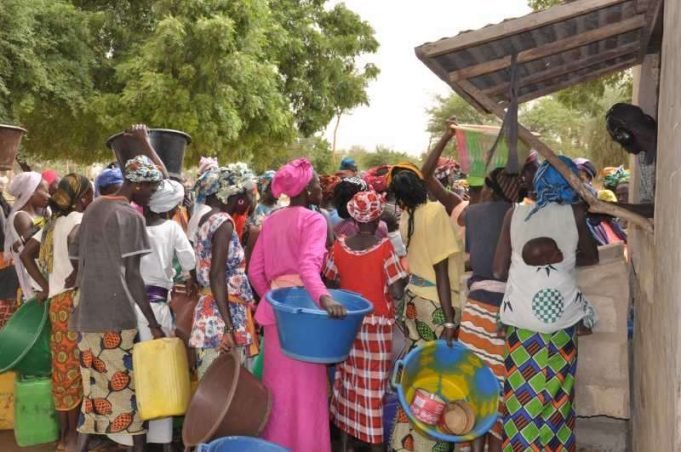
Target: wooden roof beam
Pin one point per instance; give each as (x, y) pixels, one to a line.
(654, 8)
(562, 45)
(593, 75)
(595, 205)
(514, 26)
(567, 68)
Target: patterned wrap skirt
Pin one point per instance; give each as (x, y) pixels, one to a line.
(479, 333)
(67, 384)
(539, 391)
(361, 381)
(109, 404)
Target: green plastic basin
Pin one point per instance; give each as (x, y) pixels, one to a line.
(25, 341)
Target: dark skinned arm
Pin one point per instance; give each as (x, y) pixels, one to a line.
(444, 292)
(218, 267)
(445, 197)
(587, 249)
(28, 256)
(141, 132)
(396, 289)
(135, 283)
(502, 256)
(72, 242)
(24, 227)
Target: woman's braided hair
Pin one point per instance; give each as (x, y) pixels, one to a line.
(410, 192)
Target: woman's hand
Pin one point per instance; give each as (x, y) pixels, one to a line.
(227, 344)
(41, 296)
(157, 332)
(335, 309)
(70, 281)
(450, 334)
(139, 131)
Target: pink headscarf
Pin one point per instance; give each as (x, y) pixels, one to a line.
(50, 176)
(292, 178)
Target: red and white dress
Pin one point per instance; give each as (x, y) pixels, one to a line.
(362, 379)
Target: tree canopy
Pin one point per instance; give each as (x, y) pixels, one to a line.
(245, 78)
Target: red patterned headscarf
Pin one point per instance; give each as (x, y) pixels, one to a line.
(366, 206)
(328, 184)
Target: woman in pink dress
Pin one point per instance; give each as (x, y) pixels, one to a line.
(290, 251)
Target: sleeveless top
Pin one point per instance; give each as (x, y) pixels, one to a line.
(545, 298)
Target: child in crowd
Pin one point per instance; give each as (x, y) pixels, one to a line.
(368, 265)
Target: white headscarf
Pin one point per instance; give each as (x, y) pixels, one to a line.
(22, 187)
(168, 195)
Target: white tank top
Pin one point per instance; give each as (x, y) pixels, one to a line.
(543, 298)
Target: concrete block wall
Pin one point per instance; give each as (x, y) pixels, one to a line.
(602, 384)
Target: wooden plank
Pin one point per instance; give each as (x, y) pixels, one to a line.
(562, 45)
(514, 26)
(652, 14)
(595, 205)
(566, 68)
(592, 75)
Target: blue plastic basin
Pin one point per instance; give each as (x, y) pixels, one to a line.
(307, 333)
(241, 444)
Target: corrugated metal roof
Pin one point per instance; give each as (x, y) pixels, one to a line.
(557, 47)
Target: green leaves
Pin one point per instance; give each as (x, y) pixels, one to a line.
(243, 77)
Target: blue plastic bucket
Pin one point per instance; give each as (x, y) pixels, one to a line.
(308, 333)
(241, 444)
(453, 373)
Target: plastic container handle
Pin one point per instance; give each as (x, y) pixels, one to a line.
(399, 365)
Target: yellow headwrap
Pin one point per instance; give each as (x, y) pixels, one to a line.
(400, 167)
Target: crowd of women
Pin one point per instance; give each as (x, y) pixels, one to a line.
(400, 237)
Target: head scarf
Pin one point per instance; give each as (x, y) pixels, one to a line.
(401, 167)
(142, 169)
(366, 206)
(532, 158)
(506, 186)
(21, 187)
(586, 166)
(328, 184)
(292, 178)
(168, 196)
(224, 182)
(207, 163)
(616, 177)
(348, 163)
(49, 176)
(445, 168)
(107, 178)
(551, 186)
(69, 191)
(607, 196)
(265, 180)
(358, 181)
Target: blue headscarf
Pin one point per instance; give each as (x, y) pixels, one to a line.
(551, 186)
(109, 176)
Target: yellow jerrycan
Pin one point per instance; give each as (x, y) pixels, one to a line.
(7, 392)
(161, 374)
